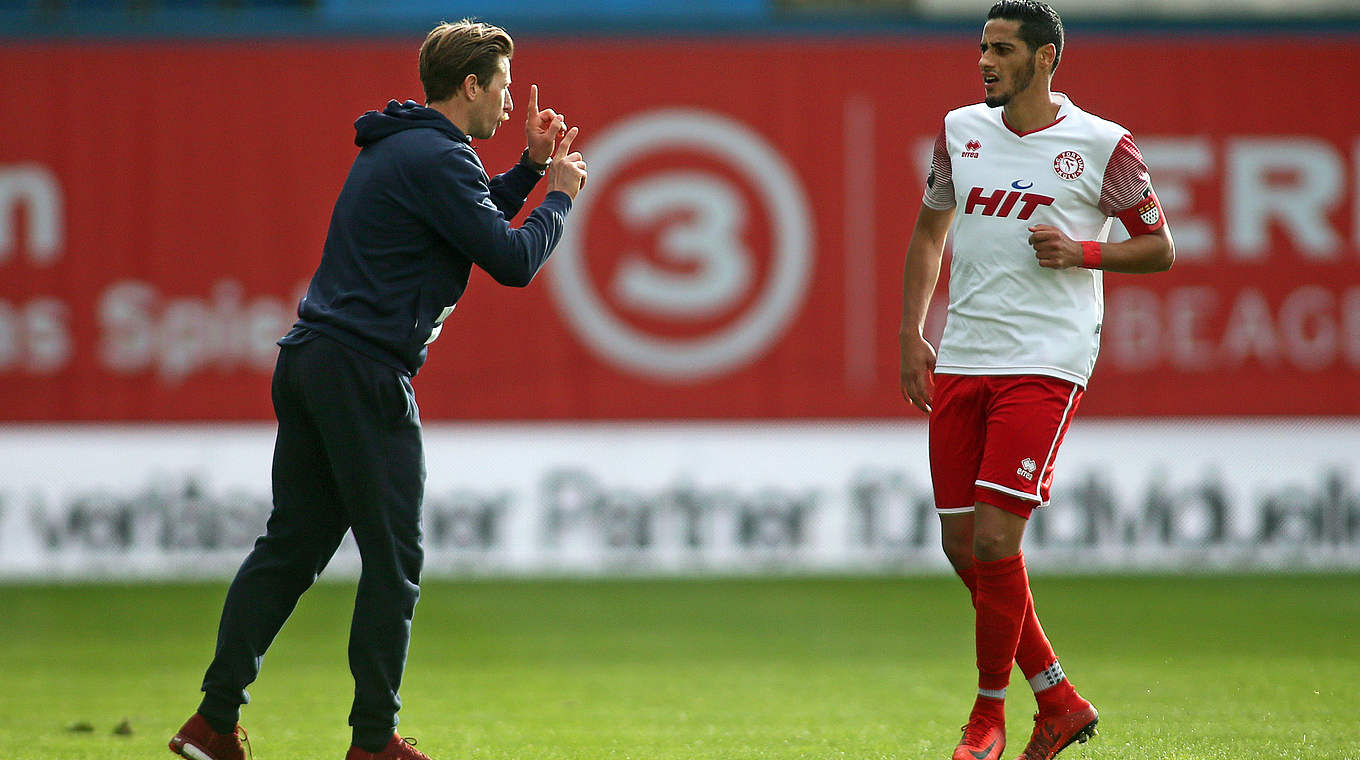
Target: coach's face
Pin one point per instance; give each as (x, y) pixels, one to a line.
(492, 104)
(1007, 63)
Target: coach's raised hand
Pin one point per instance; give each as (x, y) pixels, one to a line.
(568, 169)
(541, 129)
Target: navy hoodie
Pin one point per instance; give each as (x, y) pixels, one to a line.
(416, 212)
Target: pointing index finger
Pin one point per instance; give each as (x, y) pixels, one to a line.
(564, 147)
(533, 100)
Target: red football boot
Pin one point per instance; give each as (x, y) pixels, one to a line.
(1054, 731)
(983, 739)
(198, 741)
(397, 749)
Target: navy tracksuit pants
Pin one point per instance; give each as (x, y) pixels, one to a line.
(348, 457)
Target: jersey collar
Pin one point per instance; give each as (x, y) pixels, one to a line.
(1065, 106)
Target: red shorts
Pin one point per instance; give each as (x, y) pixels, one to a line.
(994, 439)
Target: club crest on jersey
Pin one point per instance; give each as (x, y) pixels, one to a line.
(972, 149)
(1069, 164)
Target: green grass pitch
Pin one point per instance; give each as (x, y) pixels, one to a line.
(824, 668)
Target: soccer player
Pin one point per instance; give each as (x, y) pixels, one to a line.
(415, 214)
(1029, 182)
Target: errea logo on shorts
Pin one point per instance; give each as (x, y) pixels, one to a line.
(1026, 468)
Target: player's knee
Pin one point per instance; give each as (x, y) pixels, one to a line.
(990, 546)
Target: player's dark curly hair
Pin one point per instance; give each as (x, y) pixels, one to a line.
(1039, 23)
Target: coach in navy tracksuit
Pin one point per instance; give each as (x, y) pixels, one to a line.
(416, 212)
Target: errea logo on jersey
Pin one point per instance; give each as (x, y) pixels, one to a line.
(971, 149)
(1003, 202)
(1027, 468)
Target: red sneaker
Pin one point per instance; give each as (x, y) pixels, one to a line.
(397, 749)
(198, 741)
(1054, 731)
(982, 740)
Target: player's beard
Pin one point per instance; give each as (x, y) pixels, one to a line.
(1023, 78)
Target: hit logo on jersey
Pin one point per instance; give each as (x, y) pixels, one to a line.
(1002, 202)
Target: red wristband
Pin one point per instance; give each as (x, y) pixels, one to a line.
(1090, 254)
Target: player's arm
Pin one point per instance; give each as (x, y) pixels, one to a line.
(924, 255)
(1126, 194)
(1141, 254)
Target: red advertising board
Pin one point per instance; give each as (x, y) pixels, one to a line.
(737, 253)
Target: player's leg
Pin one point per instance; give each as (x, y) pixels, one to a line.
(957, 437)
(1028, 421)
(1034, 654)
(1039, 663)
(957, 441)
(956, 535)
(1064, 716)
(1001, 599)
(303, 531)
(373, 439)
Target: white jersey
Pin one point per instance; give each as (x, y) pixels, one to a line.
(1008, 315)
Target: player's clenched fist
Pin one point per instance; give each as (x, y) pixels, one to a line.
(567, 172)
(1053, 249)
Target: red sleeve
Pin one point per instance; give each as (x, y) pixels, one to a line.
(940, 184)
(1127, 191)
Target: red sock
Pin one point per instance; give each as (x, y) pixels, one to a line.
(1002, 597)
(1035, 655)
(969, 577)
(1034, 652)
(990, 710)
(1060, 698)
